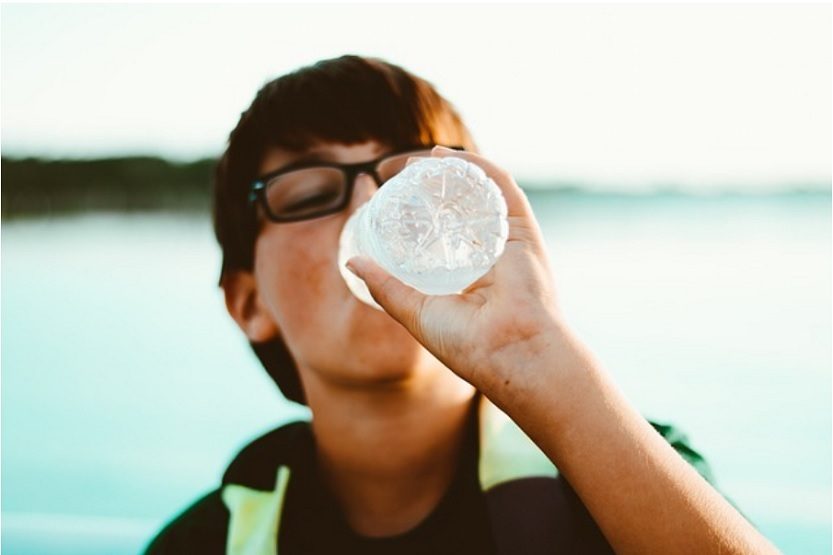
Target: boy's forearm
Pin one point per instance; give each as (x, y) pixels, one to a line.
(643, 495)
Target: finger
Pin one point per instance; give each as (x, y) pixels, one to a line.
(412, 159)
(404, 303)
(516, 202)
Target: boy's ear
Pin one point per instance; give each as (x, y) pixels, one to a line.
(244, 304)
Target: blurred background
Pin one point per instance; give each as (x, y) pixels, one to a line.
(678, 158)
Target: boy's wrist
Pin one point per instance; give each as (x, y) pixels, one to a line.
(542, 370)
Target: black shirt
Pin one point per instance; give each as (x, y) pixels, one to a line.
(531, 516)
(313, 523)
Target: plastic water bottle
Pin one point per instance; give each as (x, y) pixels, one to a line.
(438, 225)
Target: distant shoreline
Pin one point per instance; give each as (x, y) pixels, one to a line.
(34, 186)
(37, 187)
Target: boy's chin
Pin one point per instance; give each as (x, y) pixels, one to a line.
(385, 365)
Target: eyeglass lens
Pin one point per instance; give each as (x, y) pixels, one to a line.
(307, 192)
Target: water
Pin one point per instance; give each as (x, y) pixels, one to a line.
(438, 225)
(126, 388)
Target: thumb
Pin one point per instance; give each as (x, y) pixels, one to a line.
(402, 302)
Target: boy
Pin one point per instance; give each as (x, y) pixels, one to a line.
(407, 450)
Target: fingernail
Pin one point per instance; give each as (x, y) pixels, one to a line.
(440, 149)
(355, 265)
(352, 268)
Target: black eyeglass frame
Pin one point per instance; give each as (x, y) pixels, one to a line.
(257, 191)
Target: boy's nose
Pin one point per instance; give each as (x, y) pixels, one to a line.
(364, 188)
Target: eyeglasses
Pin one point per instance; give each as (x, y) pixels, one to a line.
(309, 190)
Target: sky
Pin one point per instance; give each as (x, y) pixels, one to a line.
(703, 97)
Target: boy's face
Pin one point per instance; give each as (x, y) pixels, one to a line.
(332, 335)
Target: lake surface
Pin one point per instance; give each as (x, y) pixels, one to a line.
(126, 388)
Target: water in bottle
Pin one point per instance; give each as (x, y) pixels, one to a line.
(438, 226)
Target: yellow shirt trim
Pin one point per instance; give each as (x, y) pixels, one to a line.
(255, 517)
(506, 452)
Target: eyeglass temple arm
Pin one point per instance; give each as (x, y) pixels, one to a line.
(257, 187)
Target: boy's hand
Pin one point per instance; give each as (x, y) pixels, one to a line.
(489, 332)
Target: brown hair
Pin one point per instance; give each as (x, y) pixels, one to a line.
(345, 100)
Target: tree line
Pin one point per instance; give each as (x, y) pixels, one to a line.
(33, 186)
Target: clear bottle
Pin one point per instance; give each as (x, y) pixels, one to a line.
(438, 225)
